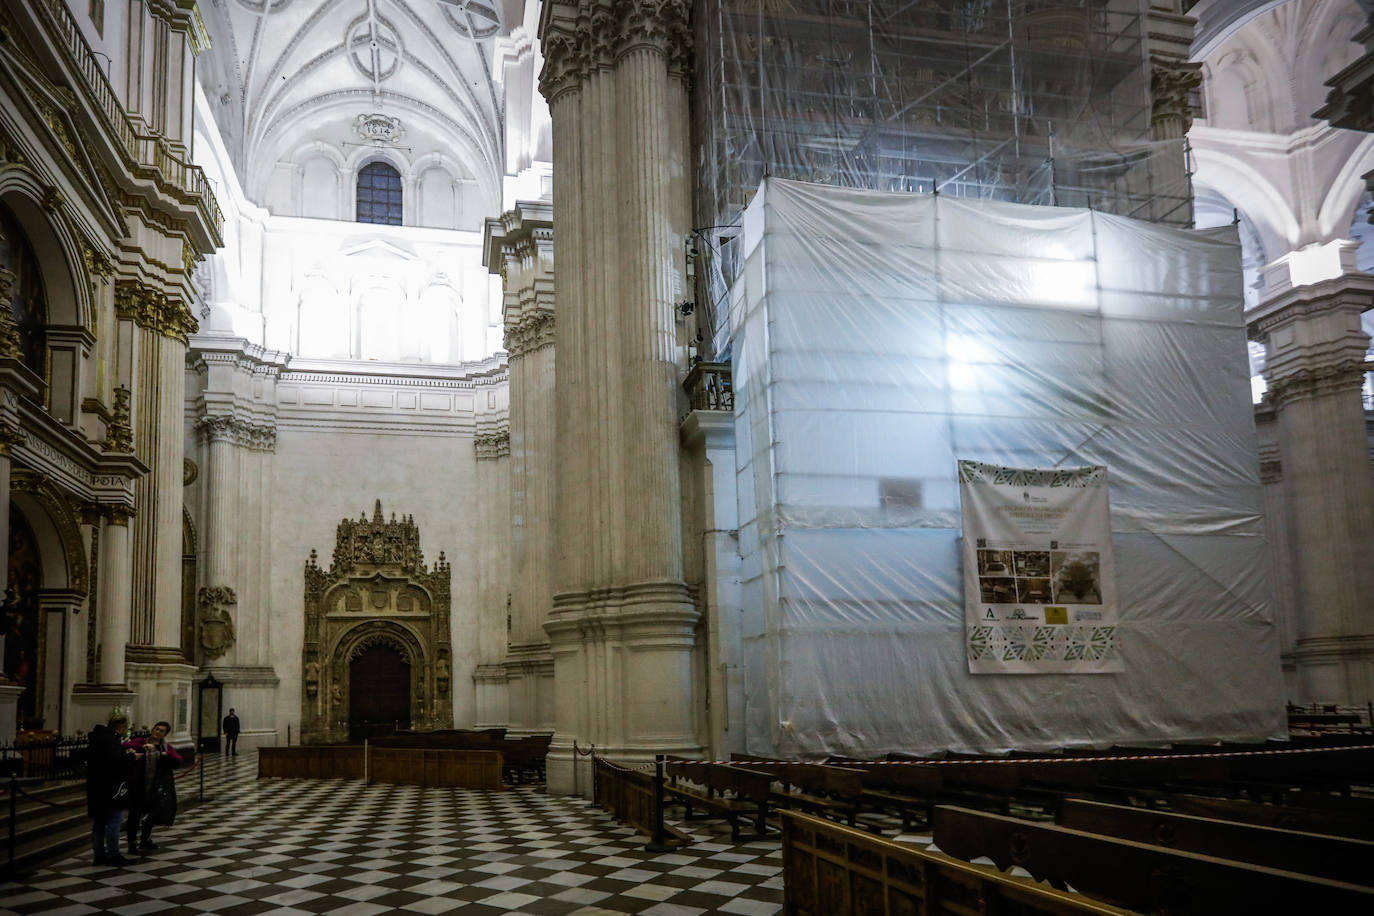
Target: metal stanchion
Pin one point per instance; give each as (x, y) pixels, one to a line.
(14, 816)
(659, 842)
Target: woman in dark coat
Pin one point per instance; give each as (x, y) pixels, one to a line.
(107, 788)
(155, 788)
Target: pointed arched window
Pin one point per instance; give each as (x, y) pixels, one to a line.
(379, 194)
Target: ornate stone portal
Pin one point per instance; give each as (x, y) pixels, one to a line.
(377, 591)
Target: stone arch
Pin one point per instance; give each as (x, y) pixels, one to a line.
(57, 248)
(57, 528)
(353, 642)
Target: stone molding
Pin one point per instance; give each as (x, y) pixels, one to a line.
(1350, 103)
(584, 36)
(534, 331)
(1345, 376)
(1349, 291)
(492, 445)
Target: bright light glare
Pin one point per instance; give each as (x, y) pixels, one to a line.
(968, 359)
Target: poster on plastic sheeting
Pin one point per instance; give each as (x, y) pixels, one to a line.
(1039, 594)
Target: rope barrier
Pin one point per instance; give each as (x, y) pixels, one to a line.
(1019, 761)
(49, 802)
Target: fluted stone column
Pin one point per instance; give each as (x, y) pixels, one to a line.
(622, 626)
(1168, 36)
(519, 246)
(1315, 368)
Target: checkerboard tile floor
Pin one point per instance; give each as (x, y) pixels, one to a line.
(286, 846)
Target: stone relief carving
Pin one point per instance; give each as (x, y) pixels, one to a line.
(377, 591)
(216, 625)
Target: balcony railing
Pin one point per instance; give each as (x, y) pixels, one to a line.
(708, 387)
(144, 151)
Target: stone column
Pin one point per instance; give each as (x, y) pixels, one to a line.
(115, 604)
(519, 246)
(1315, 368)
(622, 626)
(1168, 35)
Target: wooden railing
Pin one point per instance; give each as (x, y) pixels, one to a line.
(143, 150)
(709, 387)
(627, 794)
(832, 870)
(336, 761)
(1147, 878)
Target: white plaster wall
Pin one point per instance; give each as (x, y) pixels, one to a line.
(334, 457)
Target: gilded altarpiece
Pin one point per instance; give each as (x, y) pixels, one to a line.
(377, 591)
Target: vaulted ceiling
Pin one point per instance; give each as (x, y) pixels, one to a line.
(282, 74)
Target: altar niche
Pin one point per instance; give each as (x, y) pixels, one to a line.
(377, 652)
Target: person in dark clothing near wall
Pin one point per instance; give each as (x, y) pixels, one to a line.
(231, 733)
(108, 769)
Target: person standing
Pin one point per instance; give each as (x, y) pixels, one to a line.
(155, 791)
(108, 766)
(231, 733)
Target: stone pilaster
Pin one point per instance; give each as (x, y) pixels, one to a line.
(622, 626)
(492, 450)
(1315, 367)
(519, 246)
(1173, 77)
(235, 404)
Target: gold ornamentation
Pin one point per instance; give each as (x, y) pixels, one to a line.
(216, 625)
(152, 309)
(119, 432)
(189, 472)
(9, 438)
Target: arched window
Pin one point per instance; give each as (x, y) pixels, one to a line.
(379, 194)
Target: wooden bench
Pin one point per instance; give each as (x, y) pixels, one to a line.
(826, 790)
(1140, 876)
(1338, 858)
(728, 792)
(1354, 824)
(832, 870)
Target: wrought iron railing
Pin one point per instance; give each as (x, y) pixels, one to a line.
(147, 151)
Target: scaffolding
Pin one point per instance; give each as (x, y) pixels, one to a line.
(1033, 101)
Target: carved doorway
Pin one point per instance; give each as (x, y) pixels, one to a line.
(378, 594)
(378, 693)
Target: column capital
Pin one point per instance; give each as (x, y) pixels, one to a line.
(1313, 337)
(9, 438)
(117, 515)
(1171, 80)
(533, 331)
(578, 37)
(492, 444)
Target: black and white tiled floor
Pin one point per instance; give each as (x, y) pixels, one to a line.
(339, 846)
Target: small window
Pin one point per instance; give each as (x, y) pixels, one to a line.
(379, 194)
(97, 9)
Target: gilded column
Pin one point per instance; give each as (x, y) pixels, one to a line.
(1315, 365)
(622, 626)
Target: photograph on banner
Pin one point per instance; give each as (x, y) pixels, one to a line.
(1039, 595)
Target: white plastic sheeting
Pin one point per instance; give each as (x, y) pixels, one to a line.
(877, 338)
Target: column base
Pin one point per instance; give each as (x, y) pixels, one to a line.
(164, 694)
(9, 712)
(251, 691)
(1335, 669)
(93, 703)
(493, 705)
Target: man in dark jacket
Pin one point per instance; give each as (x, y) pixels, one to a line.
(107, 788)
(231, 733)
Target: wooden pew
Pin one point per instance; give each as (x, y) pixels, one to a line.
(832, 870)
(1338, 858)
(1356, 824)
(827, 790)
(1139, 876)
(728, 792)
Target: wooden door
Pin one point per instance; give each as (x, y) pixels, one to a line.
(378, 693)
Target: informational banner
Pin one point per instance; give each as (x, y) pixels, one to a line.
(1039, 593)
